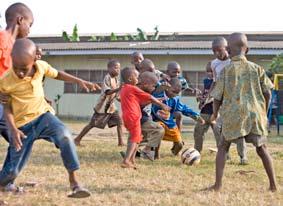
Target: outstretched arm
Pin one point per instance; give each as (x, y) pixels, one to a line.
(160, 104)
(88, 86)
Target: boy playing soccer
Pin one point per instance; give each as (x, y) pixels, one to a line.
(132, 98)
(29, 117)
(219, 48)
(105, 108)
(243, 92)
(174, 70)
(172, 99)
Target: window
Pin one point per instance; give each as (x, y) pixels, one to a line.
(95, 76)
(195, 80)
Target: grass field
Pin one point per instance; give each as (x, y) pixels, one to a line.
(163, 182)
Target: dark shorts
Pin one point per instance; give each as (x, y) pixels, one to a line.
(256, 140)
(101, 120)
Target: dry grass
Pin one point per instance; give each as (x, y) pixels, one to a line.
(164, 182)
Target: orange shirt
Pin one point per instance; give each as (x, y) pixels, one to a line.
(6, 46)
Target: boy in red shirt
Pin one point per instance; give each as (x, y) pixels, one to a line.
(132, 98)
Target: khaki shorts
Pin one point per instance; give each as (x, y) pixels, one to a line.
(255, 139)
(113, 119)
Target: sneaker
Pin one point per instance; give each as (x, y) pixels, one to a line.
(148, 155)
(11, 187)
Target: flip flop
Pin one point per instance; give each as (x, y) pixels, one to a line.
(123, 165)
(79, 192)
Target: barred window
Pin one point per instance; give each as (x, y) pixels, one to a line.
(195, 80)
(95, 76)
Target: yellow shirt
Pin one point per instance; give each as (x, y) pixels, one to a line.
(27, 95)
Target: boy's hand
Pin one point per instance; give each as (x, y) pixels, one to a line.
(201, 121)
(213, 119)
(166, 108)
(17, 136)
(88, 86)
(4, 98)
(165, 77)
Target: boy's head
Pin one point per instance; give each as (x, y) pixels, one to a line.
(148, 81)
(21, 16)
(238, 44)
(38, 53)
(175, 89)
(136, 59)
(173, 69)
(147, 66)
(130, 75)
(113, 67)
(23, 57)
(219, 48)
(209, 70)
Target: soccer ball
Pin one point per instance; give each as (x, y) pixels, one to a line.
(190, 157)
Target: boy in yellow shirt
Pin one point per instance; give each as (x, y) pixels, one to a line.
(29, 117)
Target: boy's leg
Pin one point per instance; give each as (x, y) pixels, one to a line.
(16, 160)
(129, 157)
(179, 120)
(259, 143)
(115, 120)
(199, 132)
(153, 132)
(52, 129)
(83, 133)
(242, 151)
(220, 163)
(268, 166)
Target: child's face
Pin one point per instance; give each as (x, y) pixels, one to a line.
(148, 69)
(38, 53)
(136, 60)
(23, 70)
(115, 70)
(209, 74)
(174, 72)
(133, 79)
(25, 24)
(221, 52)
(148, 87)
(173, 91)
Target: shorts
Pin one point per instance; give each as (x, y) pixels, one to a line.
(171, 134)
(255, 139)
(134, 128)
(111, 120)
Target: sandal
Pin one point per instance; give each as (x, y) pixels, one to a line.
(79, 192)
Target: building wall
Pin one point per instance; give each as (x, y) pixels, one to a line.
(81, 105)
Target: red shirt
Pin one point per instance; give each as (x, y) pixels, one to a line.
(6, 46)
(132, 98)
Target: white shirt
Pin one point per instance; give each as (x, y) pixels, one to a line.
(217, 66)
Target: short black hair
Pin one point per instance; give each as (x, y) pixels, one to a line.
(126, 73)
(17, 9)
(173, 65)
(219, 41)
(137, 53)
(112, 62)
(175, 82)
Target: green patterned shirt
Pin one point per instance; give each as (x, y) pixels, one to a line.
(241, 86)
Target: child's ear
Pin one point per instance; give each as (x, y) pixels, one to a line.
(20, 20)
(247, 50)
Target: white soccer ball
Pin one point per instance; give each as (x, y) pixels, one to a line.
(190, 157)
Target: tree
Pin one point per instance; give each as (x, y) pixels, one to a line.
(276, 66)
(74, 37)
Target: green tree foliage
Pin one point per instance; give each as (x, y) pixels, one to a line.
(74, 37)
(276, 66)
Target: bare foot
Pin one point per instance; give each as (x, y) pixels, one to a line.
(272, 188)
(212, 188)
(128, 166)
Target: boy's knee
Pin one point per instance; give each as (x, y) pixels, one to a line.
(64, 135)
(260, 150)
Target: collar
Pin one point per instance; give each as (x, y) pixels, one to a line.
(239, 58)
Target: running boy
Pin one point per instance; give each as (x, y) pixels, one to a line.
(105, 109)
(172, 99)
(132, 98)
(243, 92)
(30, 117)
